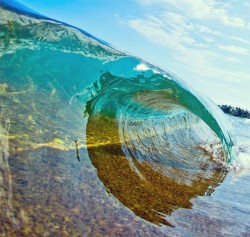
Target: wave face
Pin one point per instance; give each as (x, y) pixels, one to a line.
(155, 142)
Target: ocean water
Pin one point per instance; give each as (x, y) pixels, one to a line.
(95, 142)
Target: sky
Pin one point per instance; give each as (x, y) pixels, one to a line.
(204, 42)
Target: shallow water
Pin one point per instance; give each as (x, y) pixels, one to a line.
(98, 143)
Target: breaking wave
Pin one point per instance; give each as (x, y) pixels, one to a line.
(147, 130)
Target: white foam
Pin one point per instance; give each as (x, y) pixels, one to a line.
(240, 166)
(143, 67)
(242, 158)
(241, 152)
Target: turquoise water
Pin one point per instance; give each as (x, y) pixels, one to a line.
(97, 142)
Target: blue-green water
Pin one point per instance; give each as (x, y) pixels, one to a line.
(97, 142)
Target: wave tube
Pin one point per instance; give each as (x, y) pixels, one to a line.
(155, 142)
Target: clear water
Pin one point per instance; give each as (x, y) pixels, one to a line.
(95, 142)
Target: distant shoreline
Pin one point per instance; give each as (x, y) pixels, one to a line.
(235, 111)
